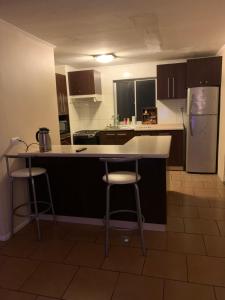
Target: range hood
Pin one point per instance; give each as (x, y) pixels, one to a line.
(90, 97)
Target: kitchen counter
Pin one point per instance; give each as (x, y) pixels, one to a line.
(143, 146)
(143, 127)
(78, 189)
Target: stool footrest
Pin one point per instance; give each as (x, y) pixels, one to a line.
(114, 212)
(29, 204)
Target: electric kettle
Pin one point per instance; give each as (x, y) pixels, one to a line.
(44, 140)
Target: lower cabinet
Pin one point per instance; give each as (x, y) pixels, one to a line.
(65, 140)
(115, 137)
(177, 149)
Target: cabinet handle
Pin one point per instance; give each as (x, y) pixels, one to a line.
(63, 101)
(200, 82)
(168, 87)
(60, 103)
(110, 134)
(173, 88)
(206, 81)
(121, 134)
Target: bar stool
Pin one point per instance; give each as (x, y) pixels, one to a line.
(29, 174)
(122, 178)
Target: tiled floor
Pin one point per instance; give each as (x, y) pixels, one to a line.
(185, 262)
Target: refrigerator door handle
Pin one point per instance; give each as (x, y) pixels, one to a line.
(190, 125)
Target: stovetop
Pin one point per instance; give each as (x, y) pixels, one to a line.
(86, 132)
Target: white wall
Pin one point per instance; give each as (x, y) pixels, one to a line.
(27, 98)
(221, 150)
(89, 115)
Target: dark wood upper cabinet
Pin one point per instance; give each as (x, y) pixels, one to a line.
(62, 94)
(85, 82)
(204, 71)
(171, 81)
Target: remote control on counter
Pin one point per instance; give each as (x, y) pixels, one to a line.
(81, 149)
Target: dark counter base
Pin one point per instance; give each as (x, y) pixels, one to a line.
(78, 189)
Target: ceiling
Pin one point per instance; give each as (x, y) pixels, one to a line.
(135, 30)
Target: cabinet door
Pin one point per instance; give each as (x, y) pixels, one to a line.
(204, 71)
(179, 81)
(62, 94)
(123, 136)
(66, 141)
(107, 138)
(84, 82)
(163, 82)
(171, 81)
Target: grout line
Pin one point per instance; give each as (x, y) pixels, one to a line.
(204, 242)
(115, 285)
(214, 292)
(188, 276)
(66, 288)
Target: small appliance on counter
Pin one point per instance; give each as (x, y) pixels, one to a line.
(149, 115)
(44, 140)
(86, 137)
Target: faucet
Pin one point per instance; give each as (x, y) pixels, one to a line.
(115, 120)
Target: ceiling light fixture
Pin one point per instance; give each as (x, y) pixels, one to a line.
(105, 58)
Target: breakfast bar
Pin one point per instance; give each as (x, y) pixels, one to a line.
(76, 178)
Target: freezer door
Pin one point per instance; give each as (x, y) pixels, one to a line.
(201, 144)
(203, 100)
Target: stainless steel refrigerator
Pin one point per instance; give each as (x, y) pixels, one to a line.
(202, 129)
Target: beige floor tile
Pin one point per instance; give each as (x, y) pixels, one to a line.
(2, 259)
(90, 284)
(175, 224)
(212, 213)
(29, 232)
(166, 265)
(220, 293)
(116, 237)
(14, 295)
(134, 287)
(82, 232)
(124, 259)
(14, 271)
(193, 184)
(153, 240)
(50, 279)
(195, 201)
(221, 225)
(221, 191)
(201, 226)
(19, 247)
(182, 189)
(215, 246)
(182, 211)
(52, 250)
(176, 290)
(86, 254)
(217, 203)
(206, 270)
(186, 243)
(206, 192)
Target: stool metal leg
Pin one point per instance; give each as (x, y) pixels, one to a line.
(36, 208)
(107, 220)
(50, 196)
(139, 217)
(12, 208)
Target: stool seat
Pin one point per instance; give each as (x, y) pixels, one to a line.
(24, 173)
(121, 177)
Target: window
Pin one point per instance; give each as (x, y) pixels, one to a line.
(132, 96)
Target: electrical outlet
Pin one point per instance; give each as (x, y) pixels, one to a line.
(14, 140)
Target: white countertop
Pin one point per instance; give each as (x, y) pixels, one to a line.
(148, 127)
(152, 127)
(143, 146)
